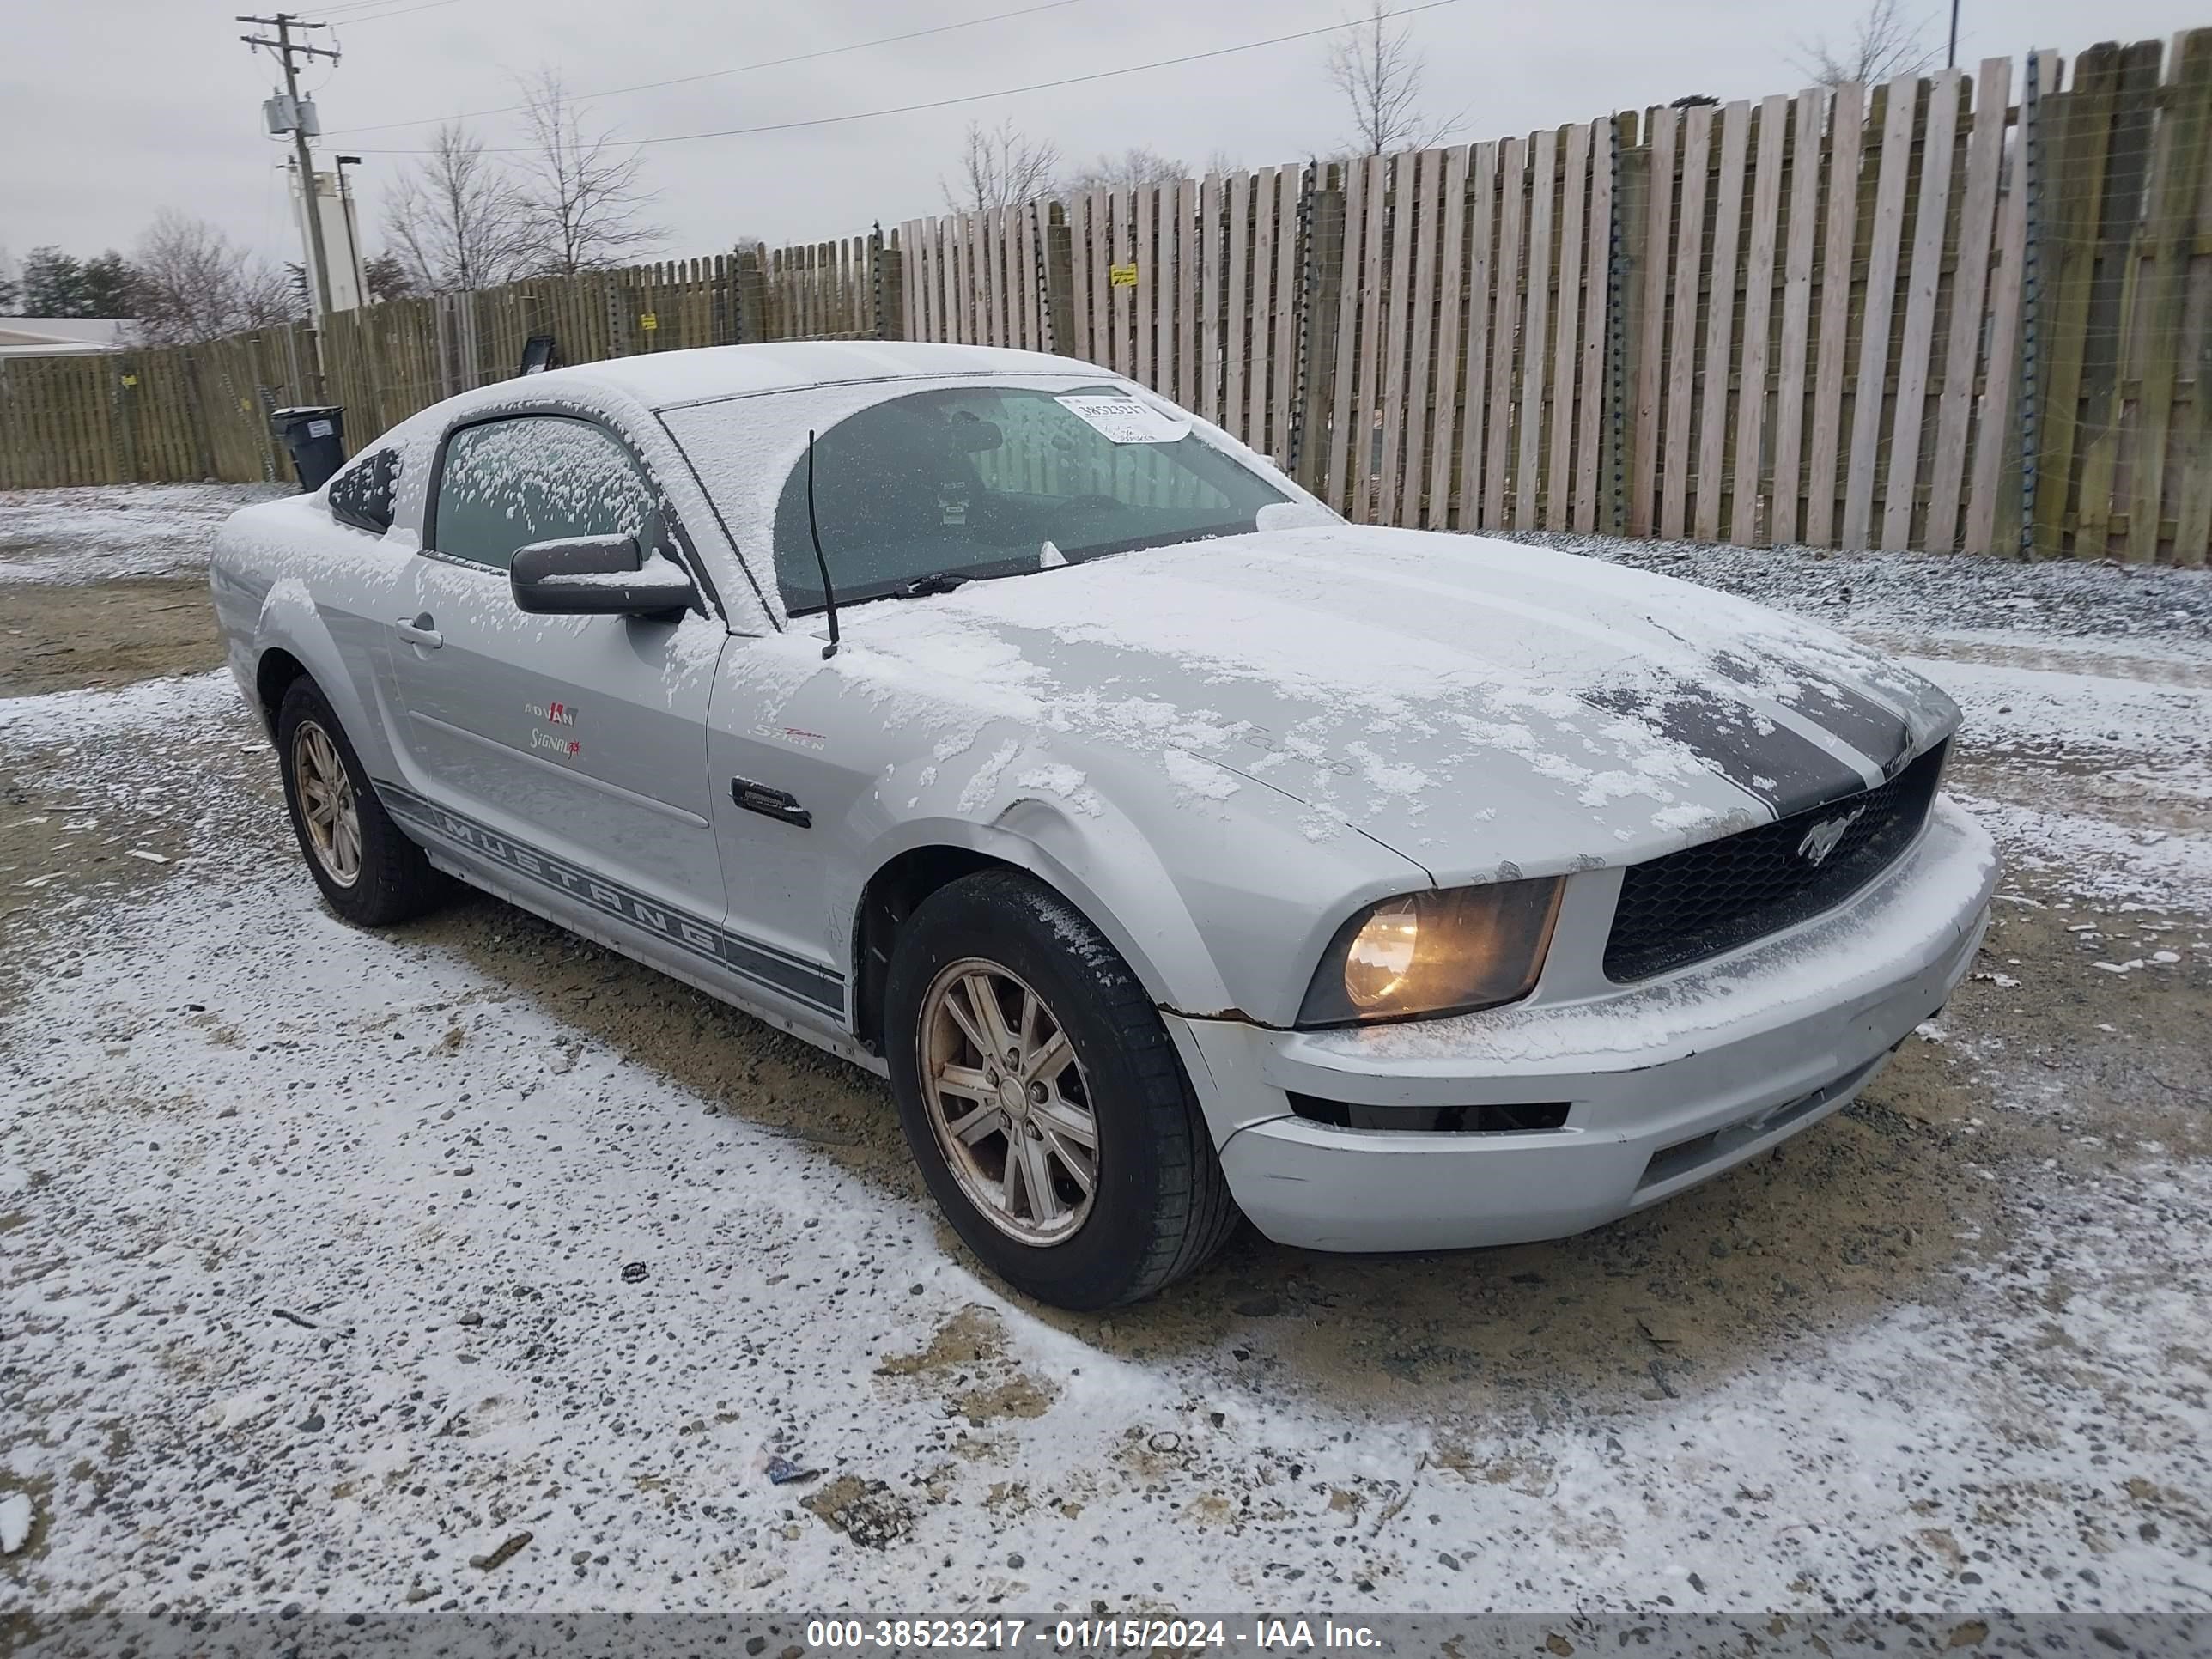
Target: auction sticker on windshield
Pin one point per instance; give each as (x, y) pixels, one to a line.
(1124, 420)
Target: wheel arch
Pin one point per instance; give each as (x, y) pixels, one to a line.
(272, 677)
(1110, 878)
(892, 894)
(292, 641)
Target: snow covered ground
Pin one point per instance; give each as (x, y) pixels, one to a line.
(331, 1264)
(103, 532)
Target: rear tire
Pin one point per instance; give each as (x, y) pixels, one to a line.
(370, 873)
(1089, 1056)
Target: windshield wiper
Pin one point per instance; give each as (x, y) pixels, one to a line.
(937, 581)
(814, 529)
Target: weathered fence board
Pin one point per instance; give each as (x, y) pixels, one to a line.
(2185, 479)
(1773, 119)
(1714, 360)
(1536, 323)
(1566, 348)
(1451, 310)
(1507, 273)
(1655, 269)
(1682, 324)
(1930, 210)
(1969, 291)
(1418, 396)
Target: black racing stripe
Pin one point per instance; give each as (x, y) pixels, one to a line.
(1877, 732)
(1761, 757)
(763, 964)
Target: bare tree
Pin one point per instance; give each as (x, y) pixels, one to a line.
(191, 283)
(1379, 71)
(1133, 167)
(388, 278)
(582, 206)
(459, 219)
(1883, 45)
(1000, 166)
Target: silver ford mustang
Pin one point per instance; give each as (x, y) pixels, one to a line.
(1177, 849)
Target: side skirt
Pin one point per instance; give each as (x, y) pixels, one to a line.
(682, 937)
(840, 1043)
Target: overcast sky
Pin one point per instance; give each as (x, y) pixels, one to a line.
(111, 111)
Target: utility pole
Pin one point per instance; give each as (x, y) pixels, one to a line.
(352, 231)
(286, 48)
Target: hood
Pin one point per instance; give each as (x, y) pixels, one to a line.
(1483, 708)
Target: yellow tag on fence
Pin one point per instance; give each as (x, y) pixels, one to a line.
(649, 320)
(1121, 276)
(131, 379)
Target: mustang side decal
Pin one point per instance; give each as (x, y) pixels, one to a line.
(748, 959)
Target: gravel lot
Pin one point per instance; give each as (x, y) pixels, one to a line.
(331, 1264)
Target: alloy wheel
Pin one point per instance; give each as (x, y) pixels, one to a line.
(1008, 1102)
(326, 802)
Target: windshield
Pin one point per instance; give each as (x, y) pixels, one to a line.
(974, 481)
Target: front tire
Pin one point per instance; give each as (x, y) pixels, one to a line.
(369, 873)
(1043, 1101)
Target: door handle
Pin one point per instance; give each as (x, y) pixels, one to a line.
(777, 804)
(421, 630)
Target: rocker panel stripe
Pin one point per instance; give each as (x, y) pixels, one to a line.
(749, 959)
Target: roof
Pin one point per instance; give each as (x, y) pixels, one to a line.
(38, 335)
(664, 379)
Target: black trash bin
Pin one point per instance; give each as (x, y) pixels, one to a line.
(315, 437)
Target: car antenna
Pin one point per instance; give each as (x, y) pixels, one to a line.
(814, 529)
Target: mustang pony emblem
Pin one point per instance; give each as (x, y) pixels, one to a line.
(1820, 840)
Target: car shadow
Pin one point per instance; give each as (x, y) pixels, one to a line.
(1865, 1212)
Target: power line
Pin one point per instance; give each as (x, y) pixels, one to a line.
(379, 16)
(978, 97)
(361, 11)
(710, 75)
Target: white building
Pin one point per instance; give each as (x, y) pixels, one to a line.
(341, 240)
(60, 337)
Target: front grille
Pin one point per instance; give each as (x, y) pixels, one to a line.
(1705, 899)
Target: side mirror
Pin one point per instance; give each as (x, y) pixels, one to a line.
(597, 576)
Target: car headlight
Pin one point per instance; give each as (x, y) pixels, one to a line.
(1435, 952)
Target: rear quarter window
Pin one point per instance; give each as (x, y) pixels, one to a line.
(362, 495)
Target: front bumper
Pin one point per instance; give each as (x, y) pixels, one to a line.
(1666, 1083)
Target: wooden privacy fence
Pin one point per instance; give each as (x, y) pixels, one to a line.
(385, 362)
(154, 415)
(1961, 311)
(202, 411)
(1929, 314)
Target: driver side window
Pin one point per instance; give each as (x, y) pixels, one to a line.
(504, 485)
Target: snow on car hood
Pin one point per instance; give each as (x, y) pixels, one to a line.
(1485, 709)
